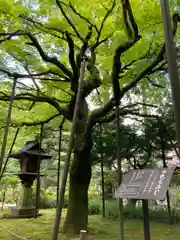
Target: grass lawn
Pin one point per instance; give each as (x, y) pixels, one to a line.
(41, 229)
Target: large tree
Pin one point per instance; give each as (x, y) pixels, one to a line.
(44, 41)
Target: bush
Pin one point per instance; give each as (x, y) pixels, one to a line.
(48, 201)
(94, 207)
(159, 214)
(112, 209)
(93, 195)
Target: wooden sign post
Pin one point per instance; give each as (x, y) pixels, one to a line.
(146, 184)
(83, 235)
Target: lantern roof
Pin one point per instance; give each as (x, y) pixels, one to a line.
(31, 148)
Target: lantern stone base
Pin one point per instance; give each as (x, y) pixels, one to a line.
(17, 212)
(25, 208)
(23, 212)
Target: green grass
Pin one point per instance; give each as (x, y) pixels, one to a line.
(41, 229)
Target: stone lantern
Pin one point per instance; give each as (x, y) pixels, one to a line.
(28, 158)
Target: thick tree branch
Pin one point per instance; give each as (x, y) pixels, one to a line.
(117, 68)
(34, 42)
(47, 29)
(36, 76)
(125, 18)
(132, 30)
(101, 112)
(95, 80)
(74, 80)
(80, 55)
(134, 37)
(135, 113)
(6, 37)
(89, 86)
(139, 104)
(71, 54)
(158, 59)
(46, 58)
(31, 97)
(84, 47)
(124, 112)
(107, 119)
(18, 75)
(36, 123)
(145, 72)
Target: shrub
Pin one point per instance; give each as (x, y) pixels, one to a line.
(94, 207)
(158, 214)
(112, 209)
(93, 195)
(48, 201)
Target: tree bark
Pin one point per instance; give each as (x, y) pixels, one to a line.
(80, 176)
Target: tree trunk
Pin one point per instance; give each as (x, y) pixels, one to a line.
(80, 176)
(108, 191)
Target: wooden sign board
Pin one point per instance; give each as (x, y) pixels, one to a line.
(151, 184)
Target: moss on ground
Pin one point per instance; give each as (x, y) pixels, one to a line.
(41, 229)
